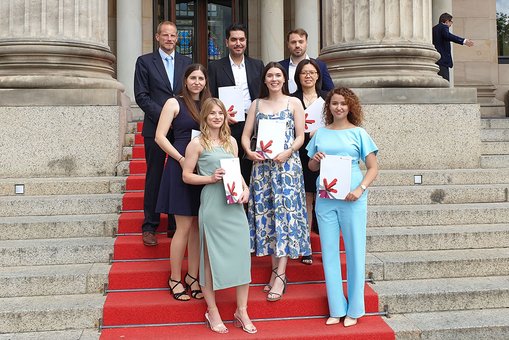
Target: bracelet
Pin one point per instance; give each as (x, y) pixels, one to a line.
(180, 159)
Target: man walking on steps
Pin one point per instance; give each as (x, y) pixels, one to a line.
(157, 78)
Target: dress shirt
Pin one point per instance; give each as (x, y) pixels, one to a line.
(169, 68)
(292, 86)
(239, 73)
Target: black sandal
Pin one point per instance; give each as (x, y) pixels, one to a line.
(178, 296)
(308, 259)
(278, 296)
(194, 293)
(268, 287)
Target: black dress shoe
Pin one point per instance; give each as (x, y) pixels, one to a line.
(149, 239)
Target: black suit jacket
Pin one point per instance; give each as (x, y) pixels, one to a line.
(442, 40)
(221, 74)
(152, 87)
(327, 83)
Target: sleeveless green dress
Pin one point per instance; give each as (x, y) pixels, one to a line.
(223, 228)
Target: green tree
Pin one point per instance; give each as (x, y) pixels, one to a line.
(503, 34)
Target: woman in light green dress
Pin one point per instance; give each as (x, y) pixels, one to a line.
(225, 259)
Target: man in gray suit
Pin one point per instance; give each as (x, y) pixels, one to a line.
(237, 69)
(152, 88)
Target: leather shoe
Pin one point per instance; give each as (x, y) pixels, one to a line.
(149, 239)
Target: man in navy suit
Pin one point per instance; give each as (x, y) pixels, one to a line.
(237, 69)
(152, 88)
(297, 43)
(442, 40)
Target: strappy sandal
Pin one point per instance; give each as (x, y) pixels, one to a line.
(180, 296)
(237, 322)
(195, 292)
(218, 328)
(268, 287)
(308, 259)
(278, 296)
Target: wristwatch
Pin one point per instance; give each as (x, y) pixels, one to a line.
(363, 187)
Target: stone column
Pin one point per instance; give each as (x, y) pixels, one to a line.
(62, 112)
(307, 16)
(55, 44)
(272, 30)
(129, 41)
(384, 43)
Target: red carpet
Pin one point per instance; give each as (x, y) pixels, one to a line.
(148, 311)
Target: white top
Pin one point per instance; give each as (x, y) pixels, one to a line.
(239, 73)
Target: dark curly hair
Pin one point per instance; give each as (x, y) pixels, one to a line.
(355, 114)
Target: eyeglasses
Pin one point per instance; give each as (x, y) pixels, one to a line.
(308, 73)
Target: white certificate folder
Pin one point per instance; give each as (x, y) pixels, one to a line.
(271, 137)
(233, 100)
(335, 177)
(232, 179)
(314, 113)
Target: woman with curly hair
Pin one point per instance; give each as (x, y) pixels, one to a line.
(225, 259)
(343, 136)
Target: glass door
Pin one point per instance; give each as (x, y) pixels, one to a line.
(201, 25)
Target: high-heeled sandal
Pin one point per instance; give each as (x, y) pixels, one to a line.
(180, 296)
(268, 287)
(308, 259)
(194, 293)
(278, 295)
(237, 322)
(221, 330)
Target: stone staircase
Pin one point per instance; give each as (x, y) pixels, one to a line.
(55, 245)
(438, 252)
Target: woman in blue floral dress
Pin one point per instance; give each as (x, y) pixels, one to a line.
(276, 210)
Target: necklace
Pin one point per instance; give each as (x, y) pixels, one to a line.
(309, 100)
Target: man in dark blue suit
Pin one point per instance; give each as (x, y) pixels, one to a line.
(152, 88)
(237, 69)
(442, 40)
(297, 43)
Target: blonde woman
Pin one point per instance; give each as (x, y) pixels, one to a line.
(225, 259)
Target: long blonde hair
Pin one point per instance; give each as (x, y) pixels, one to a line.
(224, 131)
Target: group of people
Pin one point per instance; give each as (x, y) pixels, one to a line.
(178, 97)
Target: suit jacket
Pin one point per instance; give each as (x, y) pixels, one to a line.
(327, 83)
(152, 87)
(442, 40)
(221, 74)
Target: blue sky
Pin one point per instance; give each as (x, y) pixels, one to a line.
(503, 6)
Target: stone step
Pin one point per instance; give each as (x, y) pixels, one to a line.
(62, 186)
(55, 251)
(430, 194)
(443, 177)
(495, 148)
(495, 123)
(73, 334)
(123, 168)
(60, 205)
(127, 153)
(50, 313)
(430, 295)
(437, 237)
(58, 226)
(452, 325)
(53, 279)
(408, 265)
(437, 214)
(495, 161)
(495, 135)
(129, 139)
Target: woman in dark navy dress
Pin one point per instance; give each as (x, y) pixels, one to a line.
(308, 79)
(175, 197)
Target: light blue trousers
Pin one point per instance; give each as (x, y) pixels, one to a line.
(349, 218)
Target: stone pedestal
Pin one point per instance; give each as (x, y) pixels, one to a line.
(62, 112)
(385, 43)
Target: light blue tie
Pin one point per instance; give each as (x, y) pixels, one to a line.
(168, 64)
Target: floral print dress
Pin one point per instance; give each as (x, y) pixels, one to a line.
(276, 210)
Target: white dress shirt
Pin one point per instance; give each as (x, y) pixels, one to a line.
(240, 75)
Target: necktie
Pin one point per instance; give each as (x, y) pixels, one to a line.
(168, 64)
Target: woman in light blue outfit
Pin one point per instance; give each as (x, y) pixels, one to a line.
(343, 136)
(277, 210)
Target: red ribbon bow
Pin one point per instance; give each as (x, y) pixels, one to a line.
(265, 147)
(231, 188)
(308, 121)
(231, 109)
